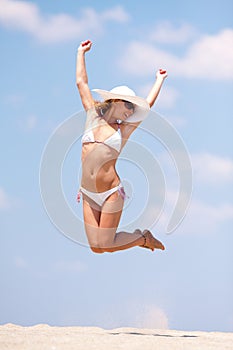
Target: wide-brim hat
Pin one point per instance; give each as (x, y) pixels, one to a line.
(142, 107)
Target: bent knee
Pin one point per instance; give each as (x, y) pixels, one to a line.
(102, 249)
(102, 245)
(107, 246)
(97, 250)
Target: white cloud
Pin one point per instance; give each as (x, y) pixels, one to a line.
(5, 201)
(210, 57)
(210, 206)
(211, 169)
(205, 218)
(205, 215)
(26, 16)
(208, 169)
(166, 33)
(201, 217)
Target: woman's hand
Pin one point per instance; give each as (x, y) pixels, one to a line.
(161, 73)
(85, 46)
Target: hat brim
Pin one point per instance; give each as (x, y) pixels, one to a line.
(142, 107)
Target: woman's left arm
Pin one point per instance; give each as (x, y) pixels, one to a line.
(128, 128)
(154, 92)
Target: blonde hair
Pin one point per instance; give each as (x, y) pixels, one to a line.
(102, 107)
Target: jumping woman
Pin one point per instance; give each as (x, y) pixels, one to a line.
(109, 125)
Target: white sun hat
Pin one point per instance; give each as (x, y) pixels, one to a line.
(142, 107)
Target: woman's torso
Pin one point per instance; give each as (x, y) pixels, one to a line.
(99, 158)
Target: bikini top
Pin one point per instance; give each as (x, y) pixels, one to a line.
(113, 141)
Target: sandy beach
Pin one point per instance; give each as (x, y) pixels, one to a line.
(44, 337)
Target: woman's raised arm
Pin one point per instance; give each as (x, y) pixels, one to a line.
(154, 92)
(81, 75)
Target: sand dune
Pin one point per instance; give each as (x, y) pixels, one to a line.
(44, 337)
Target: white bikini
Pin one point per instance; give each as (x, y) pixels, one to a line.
(114, 141)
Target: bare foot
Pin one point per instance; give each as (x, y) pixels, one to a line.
(151, 242)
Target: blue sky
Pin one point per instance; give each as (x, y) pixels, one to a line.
(48, 278)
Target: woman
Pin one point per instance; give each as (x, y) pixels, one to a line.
(108, 127)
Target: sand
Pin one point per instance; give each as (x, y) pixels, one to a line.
(44, 337)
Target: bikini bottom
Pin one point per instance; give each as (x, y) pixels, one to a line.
(100, 197)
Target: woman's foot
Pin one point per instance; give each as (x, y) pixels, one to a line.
(151, 242)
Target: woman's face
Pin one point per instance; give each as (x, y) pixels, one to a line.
(124, 109)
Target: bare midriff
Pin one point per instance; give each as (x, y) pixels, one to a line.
(98, 167)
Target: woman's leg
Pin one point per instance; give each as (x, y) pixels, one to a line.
(109, 240)
(101, 225)
(91, 215)
(103, 239)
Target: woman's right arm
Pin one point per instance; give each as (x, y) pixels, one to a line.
(81, 76)
(154, 92)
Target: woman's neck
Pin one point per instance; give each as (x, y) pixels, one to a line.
(109, 116)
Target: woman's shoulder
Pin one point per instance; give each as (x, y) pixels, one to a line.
(92, 112)
(127, 129)
(92, 116)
